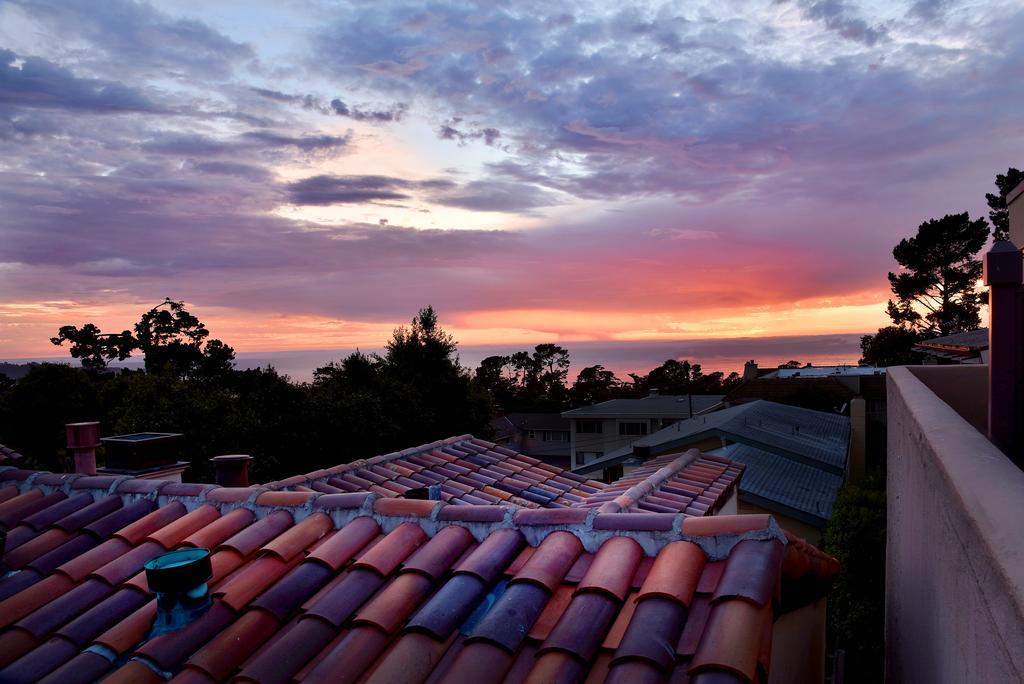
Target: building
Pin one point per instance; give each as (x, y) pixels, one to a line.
(796, 459)
(966, 347)
(540, 435)
(521, 572)
(601, 429)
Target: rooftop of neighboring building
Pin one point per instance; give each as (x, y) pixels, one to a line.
(824, 371)
(816, 437)
(536, 421)
(653, 406)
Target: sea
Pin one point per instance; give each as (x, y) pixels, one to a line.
(620, 356)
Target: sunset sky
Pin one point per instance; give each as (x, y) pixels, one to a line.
(306, 175)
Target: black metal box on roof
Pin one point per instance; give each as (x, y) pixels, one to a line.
(141, 450)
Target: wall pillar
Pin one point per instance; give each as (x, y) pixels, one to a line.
(1003, 272)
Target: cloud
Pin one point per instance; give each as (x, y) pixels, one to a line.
(489, 195)
(838, 17)
(134, 36)
(448, 131)
(337, 107)
(40, 84)
(324, 190)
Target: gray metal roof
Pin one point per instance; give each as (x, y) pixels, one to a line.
(656, 406)
(973, 339)
(782, 484)
(815, 438)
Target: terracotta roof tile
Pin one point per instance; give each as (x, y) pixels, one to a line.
(552, 559)
(344, 545)
(396, 602)
(227, 650)
(512, 616)
(675, 573)
(583, 626)
(449, 607)
(613, 567)
(395, 548)
(654, 631)
(732, 639)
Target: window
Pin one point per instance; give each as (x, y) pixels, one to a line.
(556, 436)
(592, 427)
(633, 429)
(531, 434)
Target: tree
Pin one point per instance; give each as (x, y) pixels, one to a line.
(998, 214)
(593, 385)
(526, 381)
(671, 377)
(169, 337)
(890, 346)
(172, 341)
(935, 291)
(496, 376)
(792, 363)
(94, 347)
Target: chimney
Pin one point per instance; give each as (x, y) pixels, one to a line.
(83, 438)
(232, 470)
(750, 370)
(179, 580)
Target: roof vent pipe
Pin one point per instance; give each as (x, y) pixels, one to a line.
(82, 439)
(179, 580)
(232, 470)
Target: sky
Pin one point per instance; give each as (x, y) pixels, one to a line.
(307, 175)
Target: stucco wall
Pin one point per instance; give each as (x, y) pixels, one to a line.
(963, 387)
(955, 555)
(798, 646)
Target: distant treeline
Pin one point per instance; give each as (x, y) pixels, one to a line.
(416, 391)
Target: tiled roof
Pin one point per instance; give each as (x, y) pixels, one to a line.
(656, 406)
(775, 481)
(694, 483)
(8, 455)
(469, 471)
(362, 587)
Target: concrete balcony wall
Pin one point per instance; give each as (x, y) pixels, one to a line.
(955, 556)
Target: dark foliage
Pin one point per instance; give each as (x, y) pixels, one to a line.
(360, 406)
(998, 214)
(172, 341)
(891, 346)
(935, 292)
(856, 610)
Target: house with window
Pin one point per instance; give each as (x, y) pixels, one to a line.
(539, 435)
(601, 429)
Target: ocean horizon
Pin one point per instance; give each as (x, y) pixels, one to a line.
(620, 356)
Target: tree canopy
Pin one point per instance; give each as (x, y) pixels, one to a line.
(998, 213)
(935, 291)
(171, 340)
